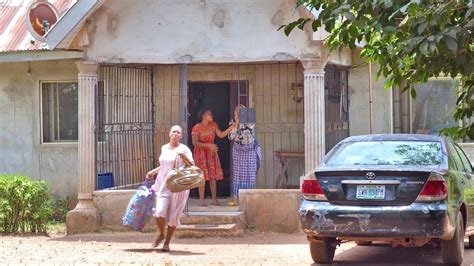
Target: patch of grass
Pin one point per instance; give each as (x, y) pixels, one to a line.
(60, 209)
(56, 228)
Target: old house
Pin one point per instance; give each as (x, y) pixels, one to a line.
(98, 94)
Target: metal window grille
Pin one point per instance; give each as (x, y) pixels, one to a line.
(125, 126)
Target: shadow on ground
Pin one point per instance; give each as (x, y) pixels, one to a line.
(380, 254)
(171, 252)
(134, 237)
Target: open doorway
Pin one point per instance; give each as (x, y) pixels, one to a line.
(214, 96)
(221, 98)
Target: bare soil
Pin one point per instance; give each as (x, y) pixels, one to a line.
(254, 248)
(127, 248)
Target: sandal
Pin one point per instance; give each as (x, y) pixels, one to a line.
(166, 247)
(158, 240)
(216, 203)
(231, 204)
(203, 204)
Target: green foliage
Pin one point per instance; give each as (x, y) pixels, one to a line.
(25, 205)
(411, 40)
(60, 209)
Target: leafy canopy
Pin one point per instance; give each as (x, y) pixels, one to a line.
(411, 40)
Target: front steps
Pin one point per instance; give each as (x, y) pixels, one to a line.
(211, 224)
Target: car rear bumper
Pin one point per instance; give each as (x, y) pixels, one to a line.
(418, 220)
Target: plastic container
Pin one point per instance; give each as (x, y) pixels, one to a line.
(105, 180)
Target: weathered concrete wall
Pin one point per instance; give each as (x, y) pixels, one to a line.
(112, 205)
(259, 207)
(271, 209)
(168, 31)
(21, 150)
(359, 102)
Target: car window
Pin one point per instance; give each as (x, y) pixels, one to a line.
(423, 153)
(454, 157)
(465, 161)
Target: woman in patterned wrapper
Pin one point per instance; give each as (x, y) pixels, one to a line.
(246, 156)
(205, 152)
(169, 206)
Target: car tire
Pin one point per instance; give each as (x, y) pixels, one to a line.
(363, 243)
(323, 251)
(471, 241)
(452, 250)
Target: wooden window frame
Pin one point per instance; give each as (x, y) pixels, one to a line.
(54, 142)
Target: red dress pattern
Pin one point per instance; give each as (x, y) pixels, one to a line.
(203, 157)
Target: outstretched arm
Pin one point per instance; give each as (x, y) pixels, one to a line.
(223, 134)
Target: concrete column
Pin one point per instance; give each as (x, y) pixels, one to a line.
(314, 112)
(85, 218)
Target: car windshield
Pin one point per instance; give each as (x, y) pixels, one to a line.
(387, 153)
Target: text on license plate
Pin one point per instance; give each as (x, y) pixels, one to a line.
(370, 192)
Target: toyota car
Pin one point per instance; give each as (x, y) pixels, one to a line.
(404, 189)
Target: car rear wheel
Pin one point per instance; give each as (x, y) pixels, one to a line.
(323, 251)
(452, 250)
(471, 241)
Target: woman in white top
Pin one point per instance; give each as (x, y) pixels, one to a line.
(169, 206)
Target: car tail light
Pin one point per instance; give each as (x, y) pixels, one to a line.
(435, 189)
(311, 189)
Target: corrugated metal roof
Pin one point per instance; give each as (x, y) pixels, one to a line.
(14, 35)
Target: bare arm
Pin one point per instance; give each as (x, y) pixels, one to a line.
(197, 143)
(187, 155)
(152, 173)
(224, 134)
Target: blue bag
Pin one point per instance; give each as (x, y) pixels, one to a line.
(139, 207)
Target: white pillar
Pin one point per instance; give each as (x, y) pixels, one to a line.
(87, 79)
(85, 217)
(314, 112)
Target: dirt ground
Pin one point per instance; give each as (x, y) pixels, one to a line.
(128, 248)
(251, 249)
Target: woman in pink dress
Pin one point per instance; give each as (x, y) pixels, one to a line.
(205, 152)
(169, 206)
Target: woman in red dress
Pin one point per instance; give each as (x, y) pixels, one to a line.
(205, 152)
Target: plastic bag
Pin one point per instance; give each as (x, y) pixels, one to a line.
(139, 207)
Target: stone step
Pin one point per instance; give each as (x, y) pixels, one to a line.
(201, 218)
(208, 230)
(211, 224)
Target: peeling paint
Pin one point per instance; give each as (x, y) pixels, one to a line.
(113, 25)
(219, 18)
(283, 57)
(204, 29)
(325, 219)
(278, 18)
(364, 220)
(320, 221)
(185, 59)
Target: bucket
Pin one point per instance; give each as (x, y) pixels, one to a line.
(105, 180)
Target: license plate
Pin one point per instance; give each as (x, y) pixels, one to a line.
(371, 192)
